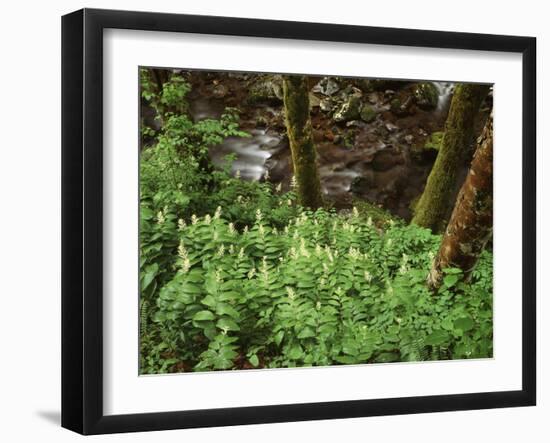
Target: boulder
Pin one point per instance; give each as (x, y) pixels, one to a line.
(266, 89)
(327, 86)
(349, 110)
(426, 96)
(219, 91)
(367, 114)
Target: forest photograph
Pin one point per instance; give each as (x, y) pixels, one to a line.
(291, 221)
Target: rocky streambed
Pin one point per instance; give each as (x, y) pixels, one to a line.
(376, 139)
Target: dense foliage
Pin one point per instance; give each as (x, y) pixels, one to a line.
(234, 274)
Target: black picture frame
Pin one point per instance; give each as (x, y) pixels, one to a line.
(82, 219)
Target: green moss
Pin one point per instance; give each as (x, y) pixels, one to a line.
(434, 205)
(426, 96)
(349, 110)
(434, 141)
(368, 114)
(298, 125)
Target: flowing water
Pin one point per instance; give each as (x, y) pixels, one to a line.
(393, 185)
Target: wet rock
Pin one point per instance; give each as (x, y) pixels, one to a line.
(326, 105)
(349, 110)
(327, 86)
(372, 98)
(379, 84)
(402, 107)
(220, 91)
(390, 127)
(266, 89)
(362, 184)
(368, 114)
(314, 101)
(426, 96)
(387, 159)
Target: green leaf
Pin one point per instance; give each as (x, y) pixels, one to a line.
(150, 274)
(228, 324)
(295, 353)
(254, 361)
(465, 324)
(306, 333)
(437, 337)
(450, 280)
(203, 316)
(226, 309)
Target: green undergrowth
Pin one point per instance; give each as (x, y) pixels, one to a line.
(326, 289)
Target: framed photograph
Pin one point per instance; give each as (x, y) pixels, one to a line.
(269, 221)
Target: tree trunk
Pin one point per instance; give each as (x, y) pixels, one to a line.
(433, 207)
(471, 223)
(298, 126)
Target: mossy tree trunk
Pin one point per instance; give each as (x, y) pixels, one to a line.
(433, 207)
(298, 126)
(471, 223)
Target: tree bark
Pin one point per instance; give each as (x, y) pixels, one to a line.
(433, 207)
(298, 126)
(471, 223)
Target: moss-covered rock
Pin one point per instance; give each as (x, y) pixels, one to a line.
(349, 110)
(368, 114)
(327, 86)
(379, 84)
(434, 141)
(426, 96)
(266, 89)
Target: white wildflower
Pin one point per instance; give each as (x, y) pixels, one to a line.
(369, 221)
(259, 215)
(181, 224)
(231, 228)
(241, 253)
(355, 212)
(239, 198)
(303, 250)
(238, 174)
(218, 212)
(207, 219)
(160, 218)
(194, 219)
(221, 250)
(251, 273)
(318, 250)
(291, 293)
(279, 187)
(368, 276)
(293, 182)
(184, 255)
(231, 249)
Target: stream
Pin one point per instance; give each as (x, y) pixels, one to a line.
(379, 168)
